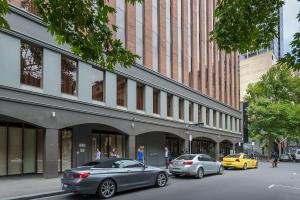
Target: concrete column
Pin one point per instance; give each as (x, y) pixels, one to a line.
(52, 73)
(85, 82)
(110, 89)
(217, 119)
(211, 117)
(228, 122)
(237, 125)
(233, 124)
(131, 97)
(186, 111)
(175, 108)
(233, 148)
(223, 121)
(51, 153)
(195, 113)
(185, 146)
(148, 100)
(163, 104)
(218, 151)
(131, 147)
(204, 116)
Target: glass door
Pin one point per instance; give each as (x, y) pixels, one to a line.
(29, 150)
(15, 157)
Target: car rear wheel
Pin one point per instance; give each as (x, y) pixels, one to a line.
(200, 173)
(107, 189)
(245, 166)
(161, 180)
(221, 170)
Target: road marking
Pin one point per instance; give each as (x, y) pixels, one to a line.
(283, 186)
(270, 186)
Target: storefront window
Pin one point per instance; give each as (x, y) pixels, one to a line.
(140, 93)
(3, 150)
(31, 64)
(181, 109)
(15, 150)
(69, 74)
(121, 91)
(156, 101)
(200, 114)
(98, 85)
(169, 105)
(29, 150)
(207, 117)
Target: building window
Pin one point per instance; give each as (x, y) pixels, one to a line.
(169, 105)
(207, 117)
(140, 96)
(214, 118)
(191, 113)
(181, 109)
(226, 124)
(200, 114)
(156, 104)
(98, 85)
(31, 65)
(69, 74)
(121, 91)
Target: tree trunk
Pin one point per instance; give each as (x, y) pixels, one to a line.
(269, 147)
(279, 149)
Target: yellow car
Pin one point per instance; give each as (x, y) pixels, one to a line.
(239, 161)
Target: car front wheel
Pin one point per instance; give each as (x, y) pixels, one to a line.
(161, 180)
(107, 189)
(245, 167)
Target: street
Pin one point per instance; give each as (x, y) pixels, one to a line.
(259, 184)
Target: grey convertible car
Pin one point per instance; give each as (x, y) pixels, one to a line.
(105, 177)
(196, 165)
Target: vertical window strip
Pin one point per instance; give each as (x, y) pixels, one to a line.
(189, 40)
(155, 35)
(139, 32)
(120, 20)
(179, 43)
(168, 37)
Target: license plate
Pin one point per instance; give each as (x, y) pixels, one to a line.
(176, 169)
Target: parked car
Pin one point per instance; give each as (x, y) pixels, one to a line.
(285, 158)
(105, 177)
(196, 165)
(297, 155)
(239, 161)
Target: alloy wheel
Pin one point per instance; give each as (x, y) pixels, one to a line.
(161, 180)
(200, 173)
(107, 189)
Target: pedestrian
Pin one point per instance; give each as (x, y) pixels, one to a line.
(98, 154)
(167, 157)
(113, 153)
(140, 154)
(274, 159)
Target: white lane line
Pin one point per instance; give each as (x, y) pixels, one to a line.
(283, 186)
(270, 186)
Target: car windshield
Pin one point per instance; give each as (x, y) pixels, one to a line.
(233, 156)
(186, 157)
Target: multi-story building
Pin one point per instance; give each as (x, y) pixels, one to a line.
(56, 109)
(254, 64)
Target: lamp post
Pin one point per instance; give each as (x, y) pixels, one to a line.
(190, 135)
(253, 143)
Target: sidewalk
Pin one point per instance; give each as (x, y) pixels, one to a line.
(25, 186)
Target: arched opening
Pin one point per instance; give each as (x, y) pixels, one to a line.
(21, 147)
(204, 145)
(226, 148)
(78, 144)
(154, 144)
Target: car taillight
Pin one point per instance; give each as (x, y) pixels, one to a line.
(237, 160)
(81, 175)
(188, 163)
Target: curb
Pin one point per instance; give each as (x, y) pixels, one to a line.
(36, 196)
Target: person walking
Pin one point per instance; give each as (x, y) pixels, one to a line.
(274, 159)
(167, 157)
(98, 154)
(113, 153)
(140, 154)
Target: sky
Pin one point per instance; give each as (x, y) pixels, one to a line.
(290, 23)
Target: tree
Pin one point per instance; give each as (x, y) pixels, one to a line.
(274, 106)
(84, 25)
(251, 25)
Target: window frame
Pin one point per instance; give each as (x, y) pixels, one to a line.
(75, 92)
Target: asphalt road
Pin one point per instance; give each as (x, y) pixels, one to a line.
(264, 183)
